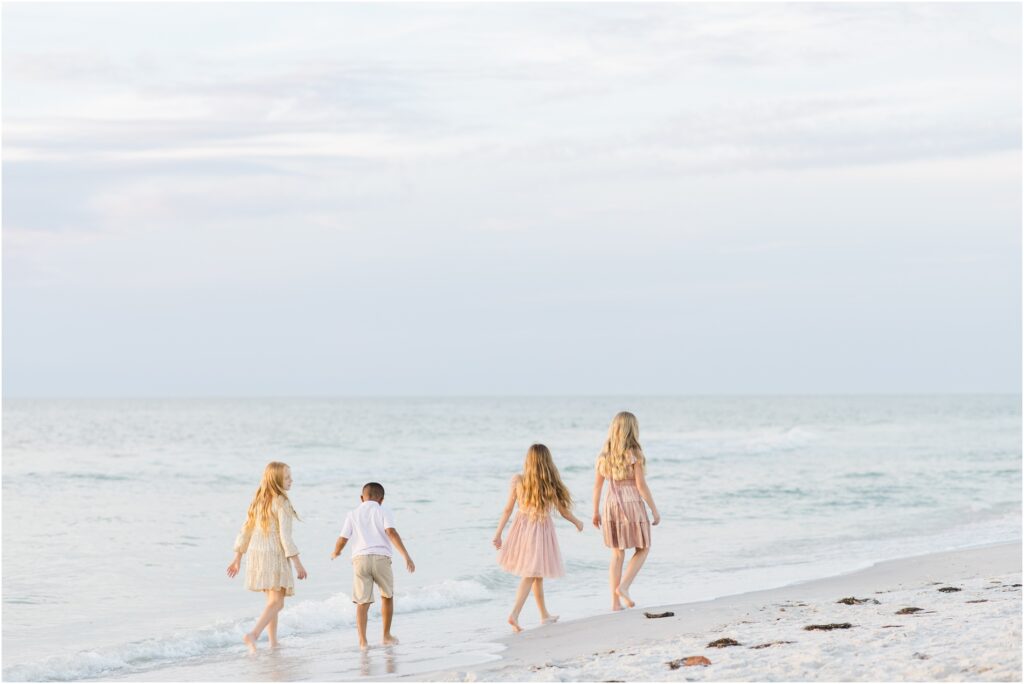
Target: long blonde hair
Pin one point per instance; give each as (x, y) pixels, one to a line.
(622, 443)
(540, 487)
(271, 487)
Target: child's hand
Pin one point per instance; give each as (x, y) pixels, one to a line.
(233, 569)
(335, 554)
(497, 542)
(409, 565)
(300, 570)
(597, 520)
(579, 526)
(657, 518)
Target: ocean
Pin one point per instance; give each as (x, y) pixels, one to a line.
(119, 515)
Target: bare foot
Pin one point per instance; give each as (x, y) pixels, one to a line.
(549, 620)
(515, 625)
(390, 640)
(625, 598)
(616, 606)
(275, 644)
(363, 646)
(250, 642)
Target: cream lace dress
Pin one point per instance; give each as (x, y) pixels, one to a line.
(267, 566)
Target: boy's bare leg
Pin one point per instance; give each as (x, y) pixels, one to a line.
(362, 613)
(387, 609)
(521, 593)
(538, 594)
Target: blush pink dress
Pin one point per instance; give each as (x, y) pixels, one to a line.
(624, 520)
(531, 548)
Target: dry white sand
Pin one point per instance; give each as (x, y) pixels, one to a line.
(972, 634)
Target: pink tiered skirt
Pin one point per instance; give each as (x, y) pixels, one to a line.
(531, 548)
(625, 521)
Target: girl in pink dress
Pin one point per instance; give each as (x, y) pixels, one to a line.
(626, 525)
(531, 549)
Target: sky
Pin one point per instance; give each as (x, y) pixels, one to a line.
(511, 199)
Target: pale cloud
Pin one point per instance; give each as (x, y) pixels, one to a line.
(444, 172)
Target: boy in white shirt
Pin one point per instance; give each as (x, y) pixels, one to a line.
(371, 529)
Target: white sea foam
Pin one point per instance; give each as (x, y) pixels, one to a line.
(85, 664)
(302, 618)
(448, 594)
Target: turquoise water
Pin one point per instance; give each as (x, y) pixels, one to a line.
(119, 514)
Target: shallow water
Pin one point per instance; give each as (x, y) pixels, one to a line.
(119, 514)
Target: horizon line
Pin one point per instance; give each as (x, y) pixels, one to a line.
(697, 395)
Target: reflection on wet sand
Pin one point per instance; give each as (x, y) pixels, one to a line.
(325, 657)
(283, 665)
(385, 653)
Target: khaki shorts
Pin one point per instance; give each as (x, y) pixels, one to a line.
(367, 571)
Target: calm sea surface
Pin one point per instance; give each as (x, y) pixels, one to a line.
(119, 515)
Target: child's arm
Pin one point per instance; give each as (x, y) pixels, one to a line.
(284, 530)
(397, 541)
(645, 493)
(347, 530)
(505, 515)
(241, 546)
(567, 514)
(235, 564)
(598, 486)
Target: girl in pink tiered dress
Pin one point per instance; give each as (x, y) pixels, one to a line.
(625, 521)
(531, 549)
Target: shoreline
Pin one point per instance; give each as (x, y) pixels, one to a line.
(630, 646)
(973, 633)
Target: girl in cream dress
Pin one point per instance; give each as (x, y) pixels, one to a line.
(626, 526)
(531, 549)
(267, 537)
